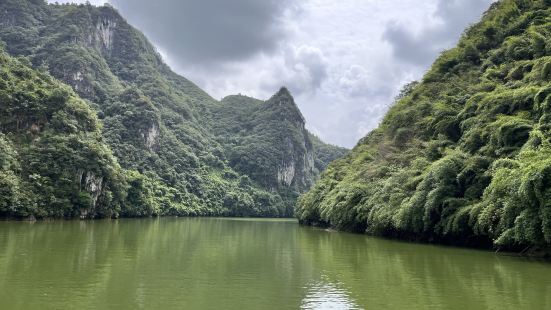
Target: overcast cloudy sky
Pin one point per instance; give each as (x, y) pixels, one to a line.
(344, 61)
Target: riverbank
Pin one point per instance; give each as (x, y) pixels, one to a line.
(477, 243)
(472, 243)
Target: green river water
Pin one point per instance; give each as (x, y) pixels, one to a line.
(212, 263)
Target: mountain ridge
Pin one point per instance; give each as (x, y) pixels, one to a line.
(158, 124)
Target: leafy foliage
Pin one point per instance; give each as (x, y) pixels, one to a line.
(53, 160)
(462, 156)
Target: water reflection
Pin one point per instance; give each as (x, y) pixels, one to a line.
(384, 274)
(249, 264)
(325, 295)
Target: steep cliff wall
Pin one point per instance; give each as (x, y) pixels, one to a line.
(268, 141)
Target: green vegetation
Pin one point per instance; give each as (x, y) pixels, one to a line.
(52, 158)
(463, 156)
(268, 142)
(164, 131)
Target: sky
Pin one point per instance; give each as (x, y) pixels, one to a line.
(344, 61)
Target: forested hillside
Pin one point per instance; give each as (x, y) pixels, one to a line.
(464, 156)
(267, 141)
(53, 161)
(158, 124)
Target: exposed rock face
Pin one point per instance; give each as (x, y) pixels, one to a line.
(104, 33)
(99, 37)
(274, 148)
(77, 76)
(93, 184)
(79, 83)
(297, 167)
(289, 175)
(151, 136)
(286, 173)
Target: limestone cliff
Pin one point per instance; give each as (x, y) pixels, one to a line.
(268, 141)
(296, 168)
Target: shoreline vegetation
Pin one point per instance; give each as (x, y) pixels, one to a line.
(463, 156)
(532, 253)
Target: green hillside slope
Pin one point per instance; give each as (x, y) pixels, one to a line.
(157, 123)
(53, 162)
(465, 156)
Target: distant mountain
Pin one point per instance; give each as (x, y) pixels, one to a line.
(464, 156)
(162, 129)
(267, 141)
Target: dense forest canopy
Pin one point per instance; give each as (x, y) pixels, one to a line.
(52, 158)
(132, 138)
(463, 156)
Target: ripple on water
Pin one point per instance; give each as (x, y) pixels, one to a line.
(326, 295)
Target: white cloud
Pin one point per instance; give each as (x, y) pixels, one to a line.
(302, 69)
(355, 81)
(449, 20)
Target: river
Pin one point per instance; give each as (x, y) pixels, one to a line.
(214, 263)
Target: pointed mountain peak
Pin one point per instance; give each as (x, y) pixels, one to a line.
(284, 101)
(283, 92)
(282, 96)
